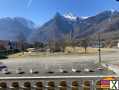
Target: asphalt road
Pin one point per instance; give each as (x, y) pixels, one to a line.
(54, 63)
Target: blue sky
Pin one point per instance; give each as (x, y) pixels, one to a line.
(41, 11)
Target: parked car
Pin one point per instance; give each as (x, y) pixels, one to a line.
(5, 71)
(19, 70)
(2, 66)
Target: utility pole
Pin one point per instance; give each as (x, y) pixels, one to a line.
(99, 48)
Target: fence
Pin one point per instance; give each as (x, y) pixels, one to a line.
(51, 83)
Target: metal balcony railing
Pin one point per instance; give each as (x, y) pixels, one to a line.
(51, 83)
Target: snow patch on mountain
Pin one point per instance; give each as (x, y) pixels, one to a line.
(70, 16)
(84, 17)
(73, 17)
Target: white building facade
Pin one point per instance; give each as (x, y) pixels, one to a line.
(118, 44)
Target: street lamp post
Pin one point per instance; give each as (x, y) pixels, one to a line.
(99, 48)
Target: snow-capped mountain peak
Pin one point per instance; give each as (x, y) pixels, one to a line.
(70, 16)
(112, 10)
(84, 17)
(73, 17)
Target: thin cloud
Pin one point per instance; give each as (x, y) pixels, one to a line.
(29, 3)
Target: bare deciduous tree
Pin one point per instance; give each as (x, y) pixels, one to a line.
(84, 43)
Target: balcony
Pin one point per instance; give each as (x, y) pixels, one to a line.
(51, 83)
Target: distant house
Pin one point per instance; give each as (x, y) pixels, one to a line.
(118, 44)
(95, 44)
(6, 44)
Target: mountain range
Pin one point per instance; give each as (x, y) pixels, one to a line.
(15, 29)
(61, 27)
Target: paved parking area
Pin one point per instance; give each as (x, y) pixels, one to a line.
(49, 66)
(55, 70)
